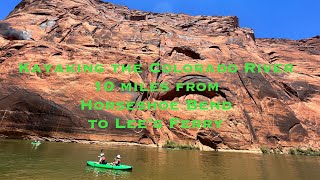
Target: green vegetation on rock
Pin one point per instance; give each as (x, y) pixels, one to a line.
(174, 145)
(266, 150)
(307, 152)
(292, 151)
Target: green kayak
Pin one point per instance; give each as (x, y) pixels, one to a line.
(109, 166)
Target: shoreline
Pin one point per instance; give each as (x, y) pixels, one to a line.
(117, 143)
(261, 150)
(81, 141)
(253, 151)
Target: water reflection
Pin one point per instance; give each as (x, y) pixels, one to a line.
(35, 146)
(100, 172)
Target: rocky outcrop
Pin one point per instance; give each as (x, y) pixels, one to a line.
(278, 110)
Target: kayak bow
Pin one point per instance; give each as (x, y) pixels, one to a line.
(109, 166)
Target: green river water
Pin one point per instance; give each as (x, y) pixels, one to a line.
(21, 160)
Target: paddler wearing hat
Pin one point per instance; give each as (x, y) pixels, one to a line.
(117, 160)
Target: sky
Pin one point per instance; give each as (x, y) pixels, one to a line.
(291, 19)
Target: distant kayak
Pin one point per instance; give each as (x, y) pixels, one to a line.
(109, 166)
(36, 143)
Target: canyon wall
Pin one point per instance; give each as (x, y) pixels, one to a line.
(278, 110)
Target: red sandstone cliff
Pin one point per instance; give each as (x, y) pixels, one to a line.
(268, 109)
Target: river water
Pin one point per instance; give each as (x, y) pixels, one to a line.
(50, 160)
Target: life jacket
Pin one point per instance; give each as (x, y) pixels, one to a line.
(118, 162)
(103, 160)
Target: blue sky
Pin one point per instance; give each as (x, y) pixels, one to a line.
(293, 19)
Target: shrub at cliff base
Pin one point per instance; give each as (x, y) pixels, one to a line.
(174, 145)
(307, 152)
